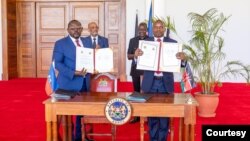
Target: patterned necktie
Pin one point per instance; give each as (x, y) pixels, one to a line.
(94, 42)
(158, 39)
(158, 67)
(77, 43)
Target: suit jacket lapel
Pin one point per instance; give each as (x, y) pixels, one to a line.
(151, 39)
(72, 46)
(165, 39)
(89, 42)
(100, 41)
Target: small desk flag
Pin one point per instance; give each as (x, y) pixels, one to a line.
(51, 83)
(187, 82)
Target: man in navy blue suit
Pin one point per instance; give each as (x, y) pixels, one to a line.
(69, 78)
(94, 40)
(158, 82)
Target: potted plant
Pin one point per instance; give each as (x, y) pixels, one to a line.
(206, 56)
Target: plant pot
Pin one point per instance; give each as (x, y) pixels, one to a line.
(208, 104)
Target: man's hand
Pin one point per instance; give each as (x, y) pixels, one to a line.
(95, 72)
(83, 72)
(138, 52)
(97, 46)
(181, 56)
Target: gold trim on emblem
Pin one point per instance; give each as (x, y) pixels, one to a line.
(118, 111)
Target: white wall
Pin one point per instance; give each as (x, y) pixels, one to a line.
(237, 29)
(132, 6)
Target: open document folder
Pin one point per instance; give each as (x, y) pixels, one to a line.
(100, 60)
(64, 94)
(138, 97)
(159, 57)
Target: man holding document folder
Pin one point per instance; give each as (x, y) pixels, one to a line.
(64, 55)
(69, 78)
(95, 51)
(158, 82)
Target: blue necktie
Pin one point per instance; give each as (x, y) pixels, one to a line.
(94, 42)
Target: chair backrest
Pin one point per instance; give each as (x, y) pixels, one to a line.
(103, 82)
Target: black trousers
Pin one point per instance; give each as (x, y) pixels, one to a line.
(136, 83)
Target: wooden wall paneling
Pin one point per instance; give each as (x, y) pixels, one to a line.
(26, 47)
(123, 52)
(5, 74)
(51, 24)
(64, 0)
(51, 19)
(11, 39)
(86, 12)
(115, 31)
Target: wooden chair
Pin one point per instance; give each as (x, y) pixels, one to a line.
(104, 82)
(143, 131)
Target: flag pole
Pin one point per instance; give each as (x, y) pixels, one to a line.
(136, 23)
(150, 30)
(153, 8)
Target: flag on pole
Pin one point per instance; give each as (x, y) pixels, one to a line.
(187, 82)
(51, 83)
(150, 24)
(136, 24)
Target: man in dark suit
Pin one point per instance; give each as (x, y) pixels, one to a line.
(69, 78)
(94, 40)
(136, 74)
(158, 82)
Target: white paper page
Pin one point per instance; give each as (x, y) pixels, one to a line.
(149, 59)
(84, 59)
(104, 60)
(169, 62)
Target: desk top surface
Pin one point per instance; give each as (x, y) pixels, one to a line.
(104, 97)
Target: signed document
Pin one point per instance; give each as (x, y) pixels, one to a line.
(159, 56)
(149, 59)
(85, 59)
(104, 61)
(100, 60)
(169, 62)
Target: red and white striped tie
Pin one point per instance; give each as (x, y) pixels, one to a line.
(158, 67)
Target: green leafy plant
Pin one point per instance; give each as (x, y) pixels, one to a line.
(205, 51)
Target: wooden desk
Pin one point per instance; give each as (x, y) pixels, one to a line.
(177, 105)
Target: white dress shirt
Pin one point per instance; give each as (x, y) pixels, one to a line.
(74, 41)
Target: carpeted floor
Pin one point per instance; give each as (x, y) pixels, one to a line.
(22, 111)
